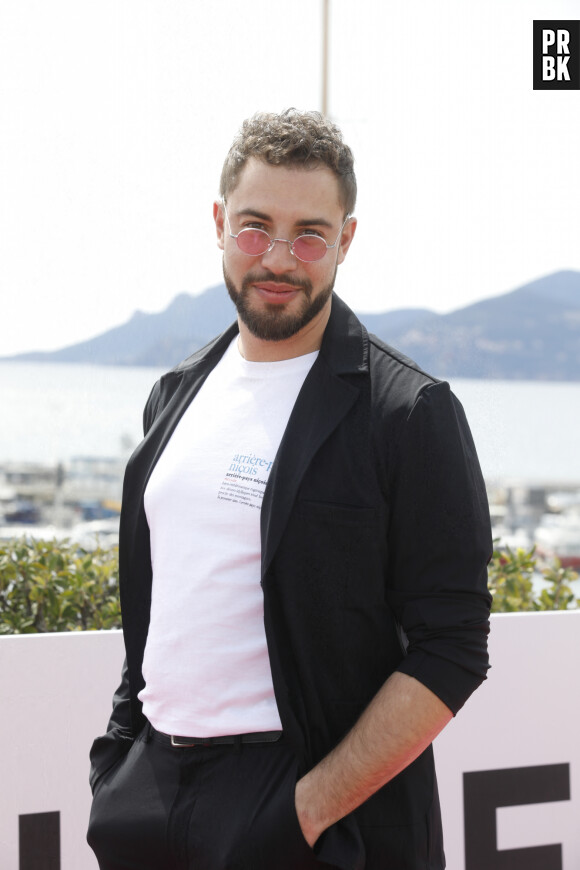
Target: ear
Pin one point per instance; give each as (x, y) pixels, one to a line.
(218, 216)
(346, 238)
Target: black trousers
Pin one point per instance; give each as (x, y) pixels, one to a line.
(200, 808)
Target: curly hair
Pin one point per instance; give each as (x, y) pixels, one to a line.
(292, 138)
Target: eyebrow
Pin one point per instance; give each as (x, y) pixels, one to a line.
(252, 212)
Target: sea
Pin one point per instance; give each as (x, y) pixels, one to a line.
(525, 431)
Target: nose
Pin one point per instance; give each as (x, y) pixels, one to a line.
(280, 258)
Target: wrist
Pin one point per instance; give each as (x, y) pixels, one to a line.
(307, 811)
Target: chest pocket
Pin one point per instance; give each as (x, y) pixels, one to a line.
(336, 548)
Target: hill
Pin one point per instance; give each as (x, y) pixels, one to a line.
(532, 332)
(161, 339)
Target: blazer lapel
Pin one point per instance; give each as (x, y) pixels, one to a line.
(324, 400)
(322, 403)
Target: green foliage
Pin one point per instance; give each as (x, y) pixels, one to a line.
(511, 582)
(57, 586)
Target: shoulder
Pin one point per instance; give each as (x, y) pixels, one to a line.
(392, 382)
(411, 409)
(398, 382)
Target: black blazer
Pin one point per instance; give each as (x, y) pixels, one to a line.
(375, 540)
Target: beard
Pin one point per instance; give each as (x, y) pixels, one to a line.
(271, 322)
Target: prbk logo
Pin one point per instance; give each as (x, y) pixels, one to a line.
(556, 55)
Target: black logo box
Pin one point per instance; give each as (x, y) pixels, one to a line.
(573, 64)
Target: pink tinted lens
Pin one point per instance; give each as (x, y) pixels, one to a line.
(309, 248)
(253, 242)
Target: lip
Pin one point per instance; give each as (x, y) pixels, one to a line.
(277, 293)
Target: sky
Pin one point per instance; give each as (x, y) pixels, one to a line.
(116, 115)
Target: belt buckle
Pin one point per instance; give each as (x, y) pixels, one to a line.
(177, 743)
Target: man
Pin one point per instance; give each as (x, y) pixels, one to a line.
(303, 554)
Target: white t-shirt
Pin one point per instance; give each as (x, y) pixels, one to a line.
(206, 666)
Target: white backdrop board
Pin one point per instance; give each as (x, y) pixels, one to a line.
(523, 727)
(55, 696)
(509, 763)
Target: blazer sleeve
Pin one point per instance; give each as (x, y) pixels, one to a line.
(107, 749)
(440, 544)
(119, 725)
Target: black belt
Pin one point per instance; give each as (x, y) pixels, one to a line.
(231, 739)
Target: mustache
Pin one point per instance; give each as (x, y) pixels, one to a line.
(289, 280)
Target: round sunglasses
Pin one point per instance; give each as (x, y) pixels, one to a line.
(306, 247)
